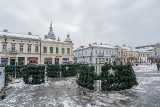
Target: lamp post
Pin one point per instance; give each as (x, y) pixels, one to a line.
(6, 63)
(91, 54)
(40, 43)
(5, 41)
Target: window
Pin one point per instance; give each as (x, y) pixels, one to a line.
(13, 48)
(36, 48)
(51, 49)
(112, 52)
(68, 50)
(109, 52)
(86, 52)
(4, 46)
(65, 60)
(21, 48)
(106, 52)
(96, 52)
(99, 51)
(63, 51)
(82, 53)
(57, 50)
(29, 48)
(45, 49)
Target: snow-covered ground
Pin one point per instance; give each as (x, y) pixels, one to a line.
(144, 68)
(65, 93)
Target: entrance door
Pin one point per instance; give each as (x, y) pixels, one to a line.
(56, 60)
(12, 61)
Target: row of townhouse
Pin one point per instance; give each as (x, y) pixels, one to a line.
(154, 51)
(130, 54)
(97, 53)
(31, 49)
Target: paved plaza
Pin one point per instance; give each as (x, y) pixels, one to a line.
(65, 93)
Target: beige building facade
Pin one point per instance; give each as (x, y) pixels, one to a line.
(24, 49)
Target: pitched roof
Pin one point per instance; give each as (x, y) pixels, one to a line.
(9, 34)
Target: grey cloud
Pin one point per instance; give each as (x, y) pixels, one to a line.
(132, 22)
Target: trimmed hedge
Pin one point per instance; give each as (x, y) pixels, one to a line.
(86, 77)
(123, 78)
(10, 70)
(53, 71)
(36, 72)
(56, 71)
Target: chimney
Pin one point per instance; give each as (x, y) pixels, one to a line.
(82, 46)
(5, 30)
(58, 39)
(29, 33)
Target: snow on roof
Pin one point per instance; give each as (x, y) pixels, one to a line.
(103, 46)
(147, 48)
(96, 45)
(143, 50)
(9, 34)
(51, 40)
(129, 49)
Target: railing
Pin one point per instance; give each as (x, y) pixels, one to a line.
(100, 54)
(13, 51)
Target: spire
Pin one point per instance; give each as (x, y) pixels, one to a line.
(68, 39)
(51, 33)
(51, 29)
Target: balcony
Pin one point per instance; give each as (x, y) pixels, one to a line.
(113, 56)
(100, 54)
(13, 51)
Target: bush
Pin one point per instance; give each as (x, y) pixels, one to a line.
(124, 77)
(86, 77)
(33, 74)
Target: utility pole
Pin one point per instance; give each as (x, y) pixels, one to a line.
(6, 63)
(40, 43)
(91, 53)
(5, 41)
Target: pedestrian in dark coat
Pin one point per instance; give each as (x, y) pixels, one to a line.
(158, 66)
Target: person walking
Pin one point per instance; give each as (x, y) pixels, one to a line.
(158, 65)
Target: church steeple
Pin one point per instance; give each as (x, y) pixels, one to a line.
(68, 39)
(51, 29)
(51, 33)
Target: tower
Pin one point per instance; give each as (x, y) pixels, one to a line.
(68, 39)
(51, 33)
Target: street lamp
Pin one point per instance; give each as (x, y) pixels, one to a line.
(5, 39)
(40, 53)
(91, 54)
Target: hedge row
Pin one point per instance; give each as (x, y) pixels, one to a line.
(55, 71)
(123, 77)
(33, 74)
(12, 69)
(86, 77)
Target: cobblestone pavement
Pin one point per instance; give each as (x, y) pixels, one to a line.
(65, 93)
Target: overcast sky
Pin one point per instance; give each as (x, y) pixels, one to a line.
(117, 22)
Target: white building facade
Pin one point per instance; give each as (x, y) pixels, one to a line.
(94, 54)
